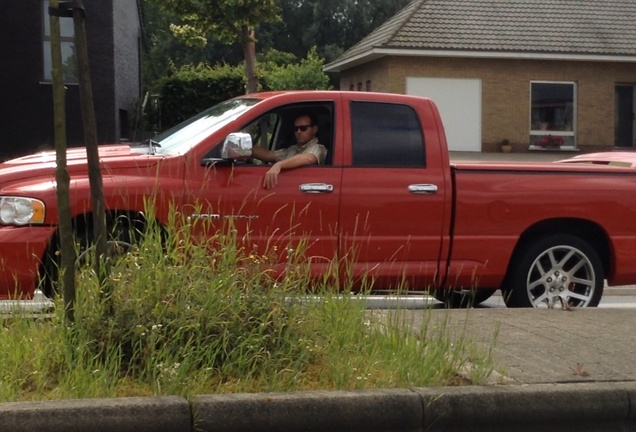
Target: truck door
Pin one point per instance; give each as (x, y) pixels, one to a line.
(297, 220)
(393, 199)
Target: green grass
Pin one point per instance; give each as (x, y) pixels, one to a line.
(190, 320)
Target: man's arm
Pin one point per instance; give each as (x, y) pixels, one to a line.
(271, 176)
(263, 154)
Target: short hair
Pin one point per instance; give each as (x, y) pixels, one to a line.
(312, 117)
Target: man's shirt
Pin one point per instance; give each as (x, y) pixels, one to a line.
(312, 147)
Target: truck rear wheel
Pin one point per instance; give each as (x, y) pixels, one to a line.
(462, 298)
(559, 269)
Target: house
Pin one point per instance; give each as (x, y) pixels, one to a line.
(114, 48)
(556, 74)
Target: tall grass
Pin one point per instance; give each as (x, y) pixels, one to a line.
(189, 319)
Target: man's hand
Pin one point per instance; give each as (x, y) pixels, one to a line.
(271, 176)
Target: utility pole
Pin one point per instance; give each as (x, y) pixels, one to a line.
(67, 246)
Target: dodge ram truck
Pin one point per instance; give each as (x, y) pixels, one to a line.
(387, 204)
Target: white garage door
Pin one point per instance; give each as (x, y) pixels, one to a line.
(459, 103)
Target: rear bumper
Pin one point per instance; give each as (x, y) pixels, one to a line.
(21, 252)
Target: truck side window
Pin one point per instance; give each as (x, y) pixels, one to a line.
(386, 135)
(262, 130)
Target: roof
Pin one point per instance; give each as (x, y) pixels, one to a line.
(578, 29)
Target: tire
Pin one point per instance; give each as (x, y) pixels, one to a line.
(559, 269)
(120, 241)
(463, 298)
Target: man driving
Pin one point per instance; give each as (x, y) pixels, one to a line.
(306, 151)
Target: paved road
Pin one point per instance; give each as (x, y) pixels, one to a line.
(613, 297)
(545, 346)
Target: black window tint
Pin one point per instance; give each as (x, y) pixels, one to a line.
(386, 135)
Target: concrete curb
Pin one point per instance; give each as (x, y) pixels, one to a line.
(376, 410)
(547, 407)
(136, 414)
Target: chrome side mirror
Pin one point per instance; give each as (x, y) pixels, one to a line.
(237, 145)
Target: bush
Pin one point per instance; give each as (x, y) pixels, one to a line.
(192, 89)
(279, 73)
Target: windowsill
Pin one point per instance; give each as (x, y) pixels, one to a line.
(562, 148)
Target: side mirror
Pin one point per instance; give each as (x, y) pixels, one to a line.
(237, 145)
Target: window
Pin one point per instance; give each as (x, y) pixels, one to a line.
(263, 129)
(69, 66)
(552, 114)
(386, 135)
(368, 86)
(275, 129)
(124, 126)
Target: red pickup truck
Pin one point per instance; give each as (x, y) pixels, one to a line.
(387, 204)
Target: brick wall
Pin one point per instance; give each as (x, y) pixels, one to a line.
(506, 91)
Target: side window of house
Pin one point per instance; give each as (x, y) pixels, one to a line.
(386, 135)
(553, 114)
(67, 43)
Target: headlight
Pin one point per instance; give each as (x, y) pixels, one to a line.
(21, 211)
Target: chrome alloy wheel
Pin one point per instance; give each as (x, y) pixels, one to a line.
(561, 275)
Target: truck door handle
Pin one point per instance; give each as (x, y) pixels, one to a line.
(423, 189)
(316, 188)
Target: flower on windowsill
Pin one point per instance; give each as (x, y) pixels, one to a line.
(550, 141)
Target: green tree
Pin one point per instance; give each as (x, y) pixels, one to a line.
(333, 26)
(281, 71)
(228, 21)
(165, 54)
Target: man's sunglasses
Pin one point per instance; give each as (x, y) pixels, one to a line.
(302, 128)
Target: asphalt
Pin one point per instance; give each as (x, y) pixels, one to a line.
(532, 346)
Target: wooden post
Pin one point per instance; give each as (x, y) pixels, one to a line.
(67, 247)
(90, 137)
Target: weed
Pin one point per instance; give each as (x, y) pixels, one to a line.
(187, 318)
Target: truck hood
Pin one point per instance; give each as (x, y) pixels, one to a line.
(112, 157)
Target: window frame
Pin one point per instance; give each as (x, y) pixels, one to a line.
(66, 40)
(360, 144)
(542, 138)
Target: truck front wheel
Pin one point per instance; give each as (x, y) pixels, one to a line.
(559, 269)
(122, 231)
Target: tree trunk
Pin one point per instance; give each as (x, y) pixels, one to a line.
(67, 247)
(92, 154)
(249, 51)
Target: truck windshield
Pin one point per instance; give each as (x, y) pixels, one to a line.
(184, 136)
